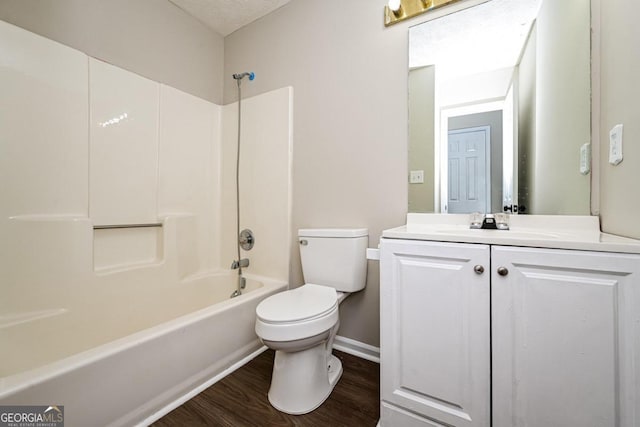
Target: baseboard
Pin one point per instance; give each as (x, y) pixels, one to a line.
(190, 395)
(357, 348)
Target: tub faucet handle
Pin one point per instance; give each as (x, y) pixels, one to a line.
(244, 262)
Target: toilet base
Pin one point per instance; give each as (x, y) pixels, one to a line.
(303, 380)
(335, 371)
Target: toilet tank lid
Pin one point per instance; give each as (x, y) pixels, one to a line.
(333, 232)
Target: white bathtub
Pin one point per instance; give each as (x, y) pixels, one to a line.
(146, 361)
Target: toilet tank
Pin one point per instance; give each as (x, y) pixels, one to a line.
(335, 257)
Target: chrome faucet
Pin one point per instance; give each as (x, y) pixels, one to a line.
(498, 221)
(243, 263)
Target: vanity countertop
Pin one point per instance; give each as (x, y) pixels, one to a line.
(542, 231)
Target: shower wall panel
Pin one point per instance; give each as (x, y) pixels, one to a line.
(82, 144)
(123, 141)
(189, 181)
(265, 179)
(43, 126)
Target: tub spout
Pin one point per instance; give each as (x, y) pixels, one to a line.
(242, 283)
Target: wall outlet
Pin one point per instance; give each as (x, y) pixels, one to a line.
(416, 177)
(615, 145)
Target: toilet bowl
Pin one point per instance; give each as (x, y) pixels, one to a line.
(301, 324)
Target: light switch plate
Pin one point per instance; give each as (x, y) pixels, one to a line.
(615, 145)
(585, 159)
(416, 177)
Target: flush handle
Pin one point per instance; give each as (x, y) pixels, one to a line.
(478, 269)
(503, 271)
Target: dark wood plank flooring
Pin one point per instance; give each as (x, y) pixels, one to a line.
(240, 399)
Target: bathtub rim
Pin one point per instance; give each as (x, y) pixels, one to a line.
(21, 381)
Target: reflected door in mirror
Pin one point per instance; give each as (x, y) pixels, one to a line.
(469, 187)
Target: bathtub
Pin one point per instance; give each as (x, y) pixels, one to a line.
(146, 364)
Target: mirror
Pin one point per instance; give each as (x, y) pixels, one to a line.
(500, 109)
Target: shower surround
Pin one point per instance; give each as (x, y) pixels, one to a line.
(117, 219)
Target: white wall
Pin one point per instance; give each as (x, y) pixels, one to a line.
(153, 38)
(620, 92)
(349, 76)
(527, 122)
(562, 107)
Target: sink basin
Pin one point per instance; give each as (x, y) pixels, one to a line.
(508, 234)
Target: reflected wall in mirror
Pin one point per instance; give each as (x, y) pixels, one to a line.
(500, 108)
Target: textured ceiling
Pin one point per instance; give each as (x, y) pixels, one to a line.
(226, 16)
(483, 38)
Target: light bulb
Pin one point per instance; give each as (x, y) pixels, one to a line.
(394, 5)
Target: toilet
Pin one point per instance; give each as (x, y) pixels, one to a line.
(300, 324)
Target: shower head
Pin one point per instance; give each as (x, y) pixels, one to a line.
(241, 76)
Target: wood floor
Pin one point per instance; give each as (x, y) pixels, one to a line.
(240, 399)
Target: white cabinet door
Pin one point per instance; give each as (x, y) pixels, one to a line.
(435, 343)
(566, 338)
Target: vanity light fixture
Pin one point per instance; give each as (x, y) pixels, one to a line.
(399, 10)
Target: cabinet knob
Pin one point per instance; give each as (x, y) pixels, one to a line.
(503, 271)
(478, 269)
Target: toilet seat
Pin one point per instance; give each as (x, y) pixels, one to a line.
(303, 303)
(298, 313)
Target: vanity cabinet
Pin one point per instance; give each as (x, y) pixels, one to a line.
(487, 335)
